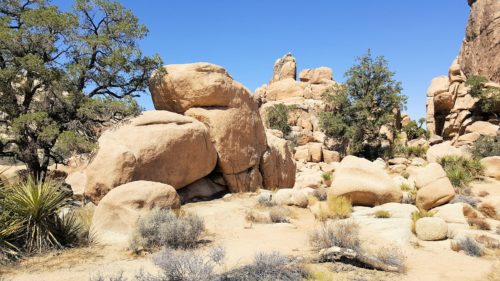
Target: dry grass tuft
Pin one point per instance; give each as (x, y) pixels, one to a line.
(382, 214)
(479, 223)
(488, 242)
(279, 215)
(488, 210)
(256, 217)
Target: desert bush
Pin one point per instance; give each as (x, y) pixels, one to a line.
(470, 246)
(256, 217)
(392, 256)
(460, 170)
(187, 266)
(409, 151)
(277, 118)
(486, 146)
(488, 242)
(415, 216)
(265, 200)
(460, 198)
(166, 228)
(414, 130)
(343, 234)
(32, 208)
(320, 193)
(321, 275)
(479, 223)
(489, 98)
(339, 207)
(279, 215)
(488, 210)
(268, 266)
(382, 214)
(327, 176)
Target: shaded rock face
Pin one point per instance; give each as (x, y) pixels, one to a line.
(434, 187)
(480, 52)
(284, 68)
(158, 146)
(209, 94)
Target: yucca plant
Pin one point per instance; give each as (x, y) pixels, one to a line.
(36, 205)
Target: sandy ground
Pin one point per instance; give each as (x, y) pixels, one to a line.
(226, 227)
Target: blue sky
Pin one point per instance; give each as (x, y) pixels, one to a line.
(419, 38)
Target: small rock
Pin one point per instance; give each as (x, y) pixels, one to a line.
(431, 229)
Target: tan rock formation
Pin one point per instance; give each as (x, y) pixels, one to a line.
(277, 165)
(480, 53)
(284, 68)
(434, 188)
(157, 146)
(208, 93)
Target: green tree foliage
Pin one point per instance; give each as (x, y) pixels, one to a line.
(277, 118)
(489, 98)
(64, 74)
(358, 108)
(414, 130)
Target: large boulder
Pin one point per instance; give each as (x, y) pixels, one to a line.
(117, 213)
(284, 89)
(434, 187)
(277, 165)
(491, 166)
(291, 197)
(365, 183)
(209, 94)
(316, 76)
(435, 152)
(157, 146)
(77, 181)
(483, 128)
(480, 53)
(179, 87)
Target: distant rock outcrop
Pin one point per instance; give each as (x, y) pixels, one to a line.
(480, 53)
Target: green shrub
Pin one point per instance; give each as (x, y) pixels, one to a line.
(382, 214)
(415, 216)
(486, 146)
(414, 130)
(166, 228)
(34, 207)
(327, 176)
(489, 98)
(409, 151)
(277, 118)
(460, 170)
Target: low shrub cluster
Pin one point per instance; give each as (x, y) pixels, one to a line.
(460, 170)
(279, 215)
(165, 228)
(409, 151)
(486, 146)
(488, 210)
(470, 246)
(190, 266)
(335, 207)
(345, 234)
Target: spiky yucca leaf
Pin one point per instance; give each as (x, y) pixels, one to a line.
(37, 204)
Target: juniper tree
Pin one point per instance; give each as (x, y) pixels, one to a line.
(358, 108)
(64, 74)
